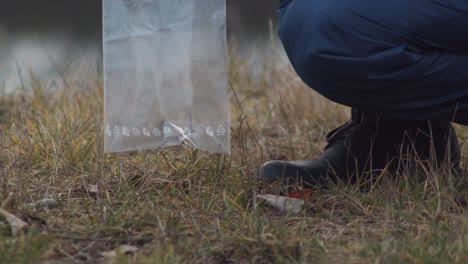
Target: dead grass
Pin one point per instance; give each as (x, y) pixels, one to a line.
(183, 206)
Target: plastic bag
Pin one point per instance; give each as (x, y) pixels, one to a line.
(165, 74)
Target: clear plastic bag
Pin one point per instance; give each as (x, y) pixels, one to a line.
(165, 74)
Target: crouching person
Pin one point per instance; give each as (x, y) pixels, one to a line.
(402, 66)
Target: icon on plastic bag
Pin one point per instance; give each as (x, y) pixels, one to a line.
(156, 132)
(146, 132)
(209, 131)
(221, 131)
(108, 131)
(116, 131)
(136, 132)
(198, 131)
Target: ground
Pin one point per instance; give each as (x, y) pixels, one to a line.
(180, 205)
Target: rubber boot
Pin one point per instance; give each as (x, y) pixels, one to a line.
(365, 146)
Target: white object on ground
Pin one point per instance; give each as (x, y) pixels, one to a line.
(46, 203)
(16, 224)
(122, 249)
(283, 204)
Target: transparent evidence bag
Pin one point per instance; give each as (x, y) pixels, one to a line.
(165, 75)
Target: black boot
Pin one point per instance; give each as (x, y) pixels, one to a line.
(366, 145)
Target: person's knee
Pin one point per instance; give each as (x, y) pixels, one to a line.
(324, 52)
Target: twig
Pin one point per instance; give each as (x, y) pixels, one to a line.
(131, 239)
(242, 118)
(283, 112)
(7, 201)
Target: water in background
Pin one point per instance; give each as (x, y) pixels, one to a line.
(48, 57)
(50, 39)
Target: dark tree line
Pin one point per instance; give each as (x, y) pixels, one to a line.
(82, 18)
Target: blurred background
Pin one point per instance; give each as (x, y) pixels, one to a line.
(53, 36)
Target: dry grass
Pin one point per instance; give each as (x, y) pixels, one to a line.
(184, 206)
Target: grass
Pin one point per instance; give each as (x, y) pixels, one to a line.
(180, 205)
